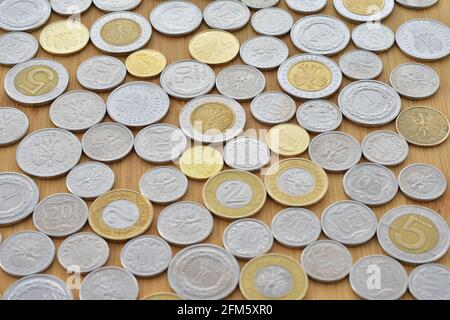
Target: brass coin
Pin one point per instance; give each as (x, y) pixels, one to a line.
(288, 139)
(310, 76)
(213, 117)
(162, 296)
(214, 47)
(64, 37)
(146, 63)
(121, 32)
(37, 80)
(201, 162)
(364, 7)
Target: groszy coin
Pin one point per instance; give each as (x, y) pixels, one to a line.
(417, 4)
(374, 37)
(214, 47)
(70, 7)
(260, 4)
(201, 162)
(24, 15)
(287, 139)
(146, 63)
(13, 125)
(422, 182)
(90, 179)
(38, 287)
(240, 82)
(306, 6)
(164, 184)
(319, 116)
(264, 52)
(176, 18)
(385, 147)
(246, 153)
(17, 47)
(361, 65)
(101, 73)
(364, 10)
(117, 5)
(64, 37)
(226, 15)
(272, 22)
(164, 295)
(430, 282)
(273, 108)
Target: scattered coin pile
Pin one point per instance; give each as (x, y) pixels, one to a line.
(410, 233)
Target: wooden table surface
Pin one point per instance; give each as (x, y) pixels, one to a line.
(129, 170)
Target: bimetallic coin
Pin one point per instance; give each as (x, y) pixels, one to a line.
(201, 162)
(364, 10)
(164, 185)
(361, 65)
(306, 6)
(101, 73)
(17, 47)
(287, 139)
(24, 15)
(273, 108)
(176, 18)
(375, 37)
(428, 240)
(272, 22)
(415, 81)
(90, 180)
(260, 4)
(38, 287)
(392, 283)
(13, 127)
(417, 4)
(146, 63)
(240, 82)
(70, 7)
(264, 52)
(246, 153)
(422, 182)
(226, 15)
(273, 277)
(164, 295)
(430, 282)
(117, 5)
(64, 37)
(319, 116)
(214, 47)
(385, 147)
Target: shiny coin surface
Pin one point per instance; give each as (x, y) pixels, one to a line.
(101, 73)
(417, 4)
(371, 184)
(273, 108)
(26, 253)
(246, 153)
(264, 52)
(306, 6)
(164, 184)
(146, 63)
(326, 261)
(77, 110)
(393, 278)
(120, 215)
(214, 47)
(374, 37)
(24, 15)
(70, 7)
(296, 182)
(335, 151)
(240, 82)
(38, 287)
(427, 242)
(319, 116)
(260, 4)
(287, 139)
(422, 182)
(64, 37)
(272, 22)
(164, 295)
(385, 147)
(107, 142)
(234, 194)
(14, 125)
(364, 10)
(361, 65)
(60, 215)
(176, 18)
(423, 126)
(226, 15)
(48, 153)
(273, 277)
(369, 103)
(201, 162)
(203, 271)
(17, 47)
(116, 5)
(36, 81)
(430, 282)
(90, 179)
(146, 256)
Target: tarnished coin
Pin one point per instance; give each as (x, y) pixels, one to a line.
(226, 15)
(369, 103)
(90, 179)
(77, 110)
(146, 63)
(109, 283)
(70, 7)
(306, 6)
(260, 4)
(83, 252)
(203, 271)
(176, 18)
(214, 47)
(246, 153)
(146, 256)
(17, 47)
(385, 147)
(24, 15)
(417, 4)
(48, 153)
(374, 37)
(349, 222)
(371, 184)
(117, 5)
(13, 125)
(287, 139)
(264, 52)
(364, 10)
(38, 287)
(25, 253)
(326, 261)
(163, 184)
(60, 215)
(64, 37)
(319, 116)
(427, 242)
(361, 65)
(273, 108)
(240, 82)
(101, 73)
(107, 142)
(422, 182)
(201, 162)
(272, 22)
(430, 282)
(335, 151)
(392, 283)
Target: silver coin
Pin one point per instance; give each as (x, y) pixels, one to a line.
(185, 223)
(19, 195)
(60, 215)
(424, 39)
(417, 4)
(272, 22)
(326, 261)
(176, 18)
(415, 81)
(422, 182)
(109, 283)
(240, 82)
(25, 253)
(24, 15)
(361, 65)
(203, 272)
(228, 15)
(368, 13)
(320, 34)
(33, 93)
(335, 151)
(246, 153)
(187, 79)
(260, 4)
(427, 242)
(296, 227)
(319, 116)
(83, 252)
(107, 142)
(38, 287)
(117, 5)
(48, 153)
(385, 147)
(90, 180)
(430, 282)
(77, 110)
(374, 37)
(13, 125)
(264, 52)
(101, 73)
(272, 108)
(70, 7)
(17, 47)
(164, 185)
(306, 6)
(369, 103)
(349, 222)
(378, 277)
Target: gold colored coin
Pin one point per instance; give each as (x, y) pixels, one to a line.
(212, 117)
(287, 139)
(64, 37)
(121, 32)
(36, 80)
(273, 277)
(120, 215)
(423, 126)
(364, 7)
(214, 46)
(296, 182)
(234, 194)
(162, 296)
(310, 76)
(146, 63)
(201, 162)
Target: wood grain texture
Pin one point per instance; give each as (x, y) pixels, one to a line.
(129, 171)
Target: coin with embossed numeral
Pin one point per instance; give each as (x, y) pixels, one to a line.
(273, 108)
(414, 80)
(264, 52)
(24, 15)
(17, 47)
(164, 184)
(176, 18)
(226, 15)
(361, 65)
(430, 282)
(13, 125)
(90, 179)
(374, 37)
(385, 147)
(240, 82)
(319, 116)
(364, 10)
(38, 287)
(101, 73)
(272, 22)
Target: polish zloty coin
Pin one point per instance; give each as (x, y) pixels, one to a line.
(214, 46)
(117, 5)
(38, 287)
(361, 65)
(146, 256)
(385, 147)
(24, 15)
(240, 82)
(203, 271)
(430, 282)
(77, 110)
(226, 15)
(375, 37)
(164, 295)
(90, 180)
(260, 4)
(273, 108)
(246, 153)
(319, 116)
(306, 6)
(393, 281)
(422, 182)
(335, 151)
(101, 73)
(417, 4)
(145, 63)
(176, 18)
(13, 125)
(287, 139)
(428, 242)
(25, 253)
(264, 52)
(364, 10)
(64, 37)
(164, 185)
(17, 47)
(296, 227)
(349, 222)
(201, 162)
(70, 7)
(371, 184)
(272, 22)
